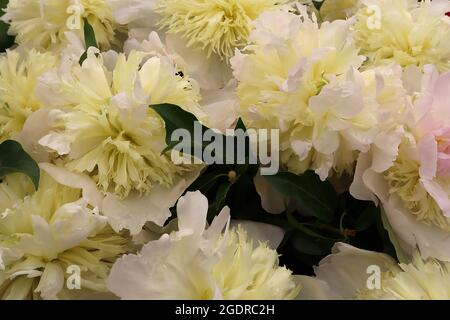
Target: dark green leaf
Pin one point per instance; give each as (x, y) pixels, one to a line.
(89, 38)
(247, 168)
(221, 196)
(318, 4)
(367, 218)
(6, 41)
(205, 182)
(310, 245)
(240, 125)
(317, 198)
(14, 159)
(177, 118)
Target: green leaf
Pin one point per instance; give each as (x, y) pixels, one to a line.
(14, 159)
(205, 182)
(6, 41)
(251, 169)
(317, 198)
(177, 118)
(367, 218)
(89, 39)
(221, 196)
(318, 4)
(305, 243)
(89, 35)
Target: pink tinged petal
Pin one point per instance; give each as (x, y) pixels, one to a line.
(432, 241)
(438, 194)
(428, 157)
(441, 96)
(443, 164)
(386, 149)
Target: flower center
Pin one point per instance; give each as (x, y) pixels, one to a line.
(403, 179)
(218, 26)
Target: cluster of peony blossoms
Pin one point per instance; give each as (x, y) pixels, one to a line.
(356, 88)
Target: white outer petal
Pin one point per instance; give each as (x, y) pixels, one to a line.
(78, 181)
(133, 212)
(314, 289)
(345, 270)
(51, 282)
(192, 210)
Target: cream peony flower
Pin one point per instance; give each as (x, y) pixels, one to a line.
(204, 33)
(218, 101)
(349, 273)
(407, 32)
(44, 232)
(199, 263)
(302, 79)
(18, 77)
(43, 24)
(214, 25)
(111, 134)
(414, 189)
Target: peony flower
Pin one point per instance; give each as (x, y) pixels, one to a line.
(204, 33)
(196, 262)
(213, 25)
(414, 189)
(218, 102)
(301, 79)
(43, 24)
(45, 232)
(407, 32)
(111, 133)
(18, 77)
(351, 273)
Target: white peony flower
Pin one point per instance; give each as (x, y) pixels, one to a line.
(351, 273)
(204, 33)
(218, 101)
(196, 262)
(301, 79)
(44, 232)
(43, 24)
(414, 189)
(18, 77)
(407, 32)
(112, 135)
